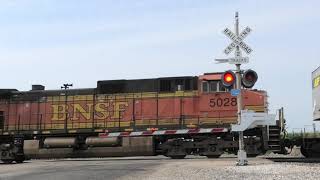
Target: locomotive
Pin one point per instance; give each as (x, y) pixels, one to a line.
(171, 116)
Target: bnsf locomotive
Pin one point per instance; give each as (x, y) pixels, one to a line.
(174, 116)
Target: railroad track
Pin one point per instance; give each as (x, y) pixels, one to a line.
(294, 159)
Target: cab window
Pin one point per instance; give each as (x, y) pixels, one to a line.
(205, 86)
(213, 86)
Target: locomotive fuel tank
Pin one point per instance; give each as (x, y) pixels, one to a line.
(97, 147)
(102, 141)
(60, 142)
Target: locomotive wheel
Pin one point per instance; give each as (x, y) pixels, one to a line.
(304, 152)
(175, 149)
(19, 161)
(213, 156)
(7, 161)
(178, 157)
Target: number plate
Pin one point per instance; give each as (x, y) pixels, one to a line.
(222, 102)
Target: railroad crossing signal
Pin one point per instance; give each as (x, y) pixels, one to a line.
(241, 79)
(249, 78)
(237, 40)
(237, 44)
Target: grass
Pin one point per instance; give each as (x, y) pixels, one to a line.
(292, 136)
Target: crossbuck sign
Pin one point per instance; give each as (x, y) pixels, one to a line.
(237, 40)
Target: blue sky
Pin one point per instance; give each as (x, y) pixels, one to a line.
(54, 42)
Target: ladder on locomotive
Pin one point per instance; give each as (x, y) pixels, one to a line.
(275, 138)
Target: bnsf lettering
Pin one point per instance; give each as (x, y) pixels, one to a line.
(219, 102)
(101, 111)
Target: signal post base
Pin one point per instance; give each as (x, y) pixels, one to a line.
(242, 158)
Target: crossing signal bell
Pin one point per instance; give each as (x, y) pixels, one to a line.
(228, 79)
(249, 78)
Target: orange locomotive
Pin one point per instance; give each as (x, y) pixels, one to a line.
(173, 116)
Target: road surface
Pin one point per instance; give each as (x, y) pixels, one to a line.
(140, 168)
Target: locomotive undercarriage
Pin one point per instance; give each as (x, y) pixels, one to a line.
(18, 148)
(11, 149)
(212, 146)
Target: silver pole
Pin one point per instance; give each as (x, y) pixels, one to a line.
(242, 155)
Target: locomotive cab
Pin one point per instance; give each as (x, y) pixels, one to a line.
(211, 83)
(216, 105)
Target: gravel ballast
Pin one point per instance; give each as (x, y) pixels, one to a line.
(162, 168)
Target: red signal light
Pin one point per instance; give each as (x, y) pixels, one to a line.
(249, 78)
(228, 79)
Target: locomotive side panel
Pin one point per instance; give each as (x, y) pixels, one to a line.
(3, 116)
(217, 108)
(190, 112)
(255, 100)
(111, 112)
(148, 109)
(11, 116)
(221, 108)
(126, 112)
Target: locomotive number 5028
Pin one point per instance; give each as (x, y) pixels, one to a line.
(219, 102)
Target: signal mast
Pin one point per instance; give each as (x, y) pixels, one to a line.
(236, 81)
